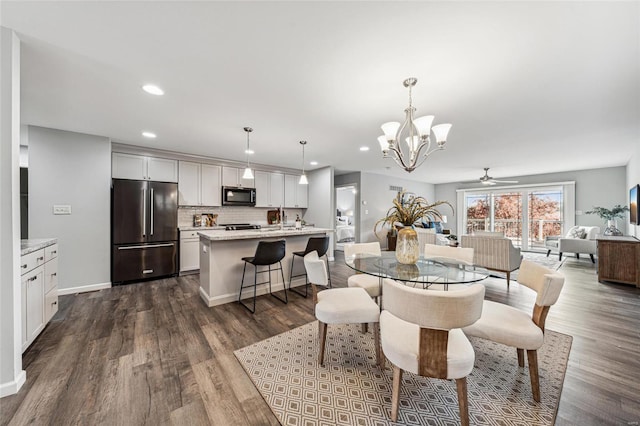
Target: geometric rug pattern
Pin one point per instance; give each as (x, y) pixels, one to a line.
(351, 390)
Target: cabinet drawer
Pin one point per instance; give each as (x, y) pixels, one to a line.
(188, 234)
(30, 261)
(50, 304)
(50, 252)
(50, 274)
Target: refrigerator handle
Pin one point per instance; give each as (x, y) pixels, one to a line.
(144, 212)
(151, 203)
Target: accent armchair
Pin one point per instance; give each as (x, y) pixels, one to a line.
(579, 239)
(494, 253)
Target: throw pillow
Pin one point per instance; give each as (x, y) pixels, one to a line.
(577, 233)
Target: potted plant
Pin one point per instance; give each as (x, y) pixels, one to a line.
(610, 215)
(408, 209)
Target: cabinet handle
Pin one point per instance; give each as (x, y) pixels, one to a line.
(24, 266)
(147, 271)
(54, 252)
(33, 278)
(55, 302)
(40, 258)
(54, 274)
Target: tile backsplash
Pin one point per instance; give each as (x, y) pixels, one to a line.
(253, 215)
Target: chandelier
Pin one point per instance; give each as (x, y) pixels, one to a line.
(415, 133)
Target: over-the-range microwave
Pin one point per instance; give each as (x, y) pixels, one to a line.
(233, 196)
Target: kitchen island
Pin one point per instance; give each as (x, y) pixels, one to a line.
(221, 263)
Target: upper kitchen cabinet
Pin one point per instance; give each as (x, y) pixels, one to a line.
(295, 195)
(232, 176)
(269, 189)
(198, 184)
(139, 167)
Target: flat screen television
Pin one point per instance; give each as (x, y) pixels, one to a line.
(634, 201)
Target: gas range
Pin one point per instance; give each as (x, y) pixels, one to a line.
(239, 226)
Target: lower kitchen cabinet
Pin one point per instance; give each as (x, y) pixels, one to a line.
(189, 251)
(39, 286)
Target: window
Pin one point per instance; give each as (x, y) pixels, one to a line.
(525, 214)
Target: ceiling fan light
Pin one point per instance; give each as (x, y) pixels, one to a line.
(441, 131)
(423, 124)
(390, 129)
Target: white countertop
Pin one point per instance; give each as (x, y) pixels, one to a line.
(222, 235)
(35, 244)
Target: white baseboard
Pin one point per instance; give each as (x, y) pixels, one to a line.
(83, 289)
(12, 387)
(233, 297)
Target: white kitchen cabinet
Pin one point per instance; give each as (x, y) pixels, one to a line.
(189, 251)
(139, 167)
(199, 184)
(210, 187)
(269, 189)
(39, 287)
(232, 176)
(295, 195)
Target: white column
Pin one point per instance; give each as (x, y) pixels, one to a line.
(12, 377)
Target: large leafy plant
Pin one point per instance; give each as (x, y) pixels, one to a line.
(408, 209)
(609, 214)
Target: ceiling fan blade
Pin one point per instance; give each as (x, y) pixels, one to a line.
(504, 181)
(488, 182)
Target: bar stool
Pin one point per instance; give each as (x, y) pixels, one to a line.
(319, 244)
(267, 253)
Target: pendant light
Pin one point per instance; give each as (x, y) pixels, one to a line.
(303, 178)
(248, 173)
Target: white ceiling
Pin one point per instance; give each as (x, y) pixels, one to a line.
(529, 87)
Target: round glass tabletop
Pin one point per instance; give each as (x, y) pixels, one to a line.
(425, 272)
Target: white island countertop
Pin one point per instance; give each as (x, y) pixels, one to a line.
(249, 234)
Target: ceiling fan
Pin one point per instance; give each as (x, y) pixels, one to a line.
(488, 180)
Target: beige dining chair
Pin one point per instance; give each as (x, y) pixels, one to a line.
(461, 255)
(512, 327)
(420, 333)
(351, 305)
(370, 283)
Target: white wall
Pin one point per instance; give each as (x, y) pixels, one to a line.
(633, 178)
(72, 169)
(595, 187)
(12, 377)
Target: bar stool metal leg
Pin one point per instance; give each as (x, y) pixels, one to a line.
(255, 286)
(284, 284)
(291, 276)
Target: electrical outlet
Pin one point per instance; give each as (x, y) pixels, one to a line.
(62, 209)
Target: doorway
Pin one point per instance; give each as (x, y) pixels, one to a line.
(347, 214)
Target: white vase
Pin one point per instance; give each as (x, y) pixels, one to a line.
(612, 228)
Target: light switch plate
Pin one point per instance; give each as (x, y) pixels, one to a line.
(62, 209)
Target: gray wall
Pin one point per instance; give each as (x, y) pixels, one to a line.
(321, 210)
(11, 374)
(595, 187)
(376, 198)
(72, 169)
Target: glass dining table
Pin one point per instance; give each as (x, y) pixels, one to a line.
(437, 273)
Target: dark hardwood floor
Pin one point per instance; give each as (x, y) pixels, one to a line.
(153, 353)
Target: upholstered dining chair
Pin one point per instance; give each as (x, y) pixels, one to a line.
(368, 282)
(420, 333)
(463, 255)
(350, 305)
(512, 327)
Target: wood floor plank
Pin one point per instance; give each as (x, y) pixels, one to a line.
(153, 353)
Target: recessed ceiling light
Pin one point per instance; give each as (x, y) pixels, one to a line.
(364, 148)
(149, 135)
(314, 163)
(153, 89)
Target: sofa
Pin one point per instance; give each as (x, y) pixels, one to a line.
(579, 239)
(493, 252)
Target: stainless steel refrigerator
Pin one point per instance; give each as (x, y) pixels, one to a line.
(144, 229)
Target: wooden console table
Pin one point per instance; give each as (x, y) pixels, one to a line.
(619, 260)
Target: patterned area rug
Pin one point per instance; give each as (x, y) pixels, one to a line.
(351, 390)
